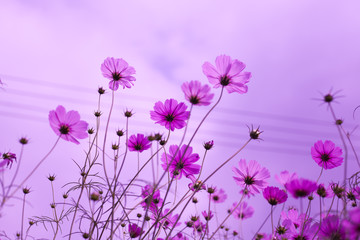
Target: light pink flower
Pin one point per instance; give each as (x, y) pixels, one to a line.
(197, 94)
(252, 176)
(285, 177)
(227, 73)
(118, 72)
(326, 155)
(68, 125)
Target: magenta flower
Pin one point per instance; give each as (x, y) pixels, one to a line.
(138, 143)
(134, 230)
(352, 224)
(197, 94)
(243, 211)
(7, 159)
(181, 163)
(170, 114)
(326, 155)
(252, 176)
(218, 196)
(274, 195)
(331, 228)
(227, 73)
(300, 187)
(118, 72)
(68, 125)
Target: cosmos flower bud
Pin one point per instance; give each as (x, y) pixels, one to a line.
(23, 140)
(101, 90)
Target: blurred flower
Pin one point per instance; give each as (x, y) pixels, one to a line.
(181, 163)
(243, 211)
(151, 202)
(170, 114)
(252, 176)
(169, 220)
(274, 195)
(326, 155)
(138, 143)
(285, 177)
(134, 230)
(68, 125)
(292, 216)
(300, 187)
(7, 159)
(227, 73)
(331, 228)
(352, 224)
(118, 72)
(218, 196)
(197, 94)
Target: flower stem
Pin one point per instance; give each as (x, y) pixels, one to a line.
(35, 168)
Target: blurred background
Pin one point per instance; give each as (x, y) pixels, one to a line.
(297, 51)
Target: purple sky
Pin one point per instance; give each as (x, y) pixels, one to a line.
(50, 54)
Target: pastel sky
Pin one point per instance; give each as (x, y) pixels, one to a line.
(297, 51)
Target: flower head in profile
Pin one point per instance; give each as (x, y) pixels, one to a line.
(207, 215)
(324, 192)
(218, 196)
(252, 176)
(134, 230)
(7, 159)
(68, 125)
(197, 94)
(300, 187)
(170, 114)
(274, 195)
(138, 143)
(118, 71)
(243, 211)
(227, 73)
(182, 161)
(326, 155)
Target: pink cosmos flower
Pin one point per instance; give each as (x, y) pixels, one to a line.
(300, 187)
(170, 114)
(243, 211)
(118, 72)
(252, 176)
(331, 228)
(218, 196)
(274, 195)
(138, 143)
(227, 73)
(197, 94)
(68, 125)
(181, 163)
(285, 177)
(326, 155)
(7, 159)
